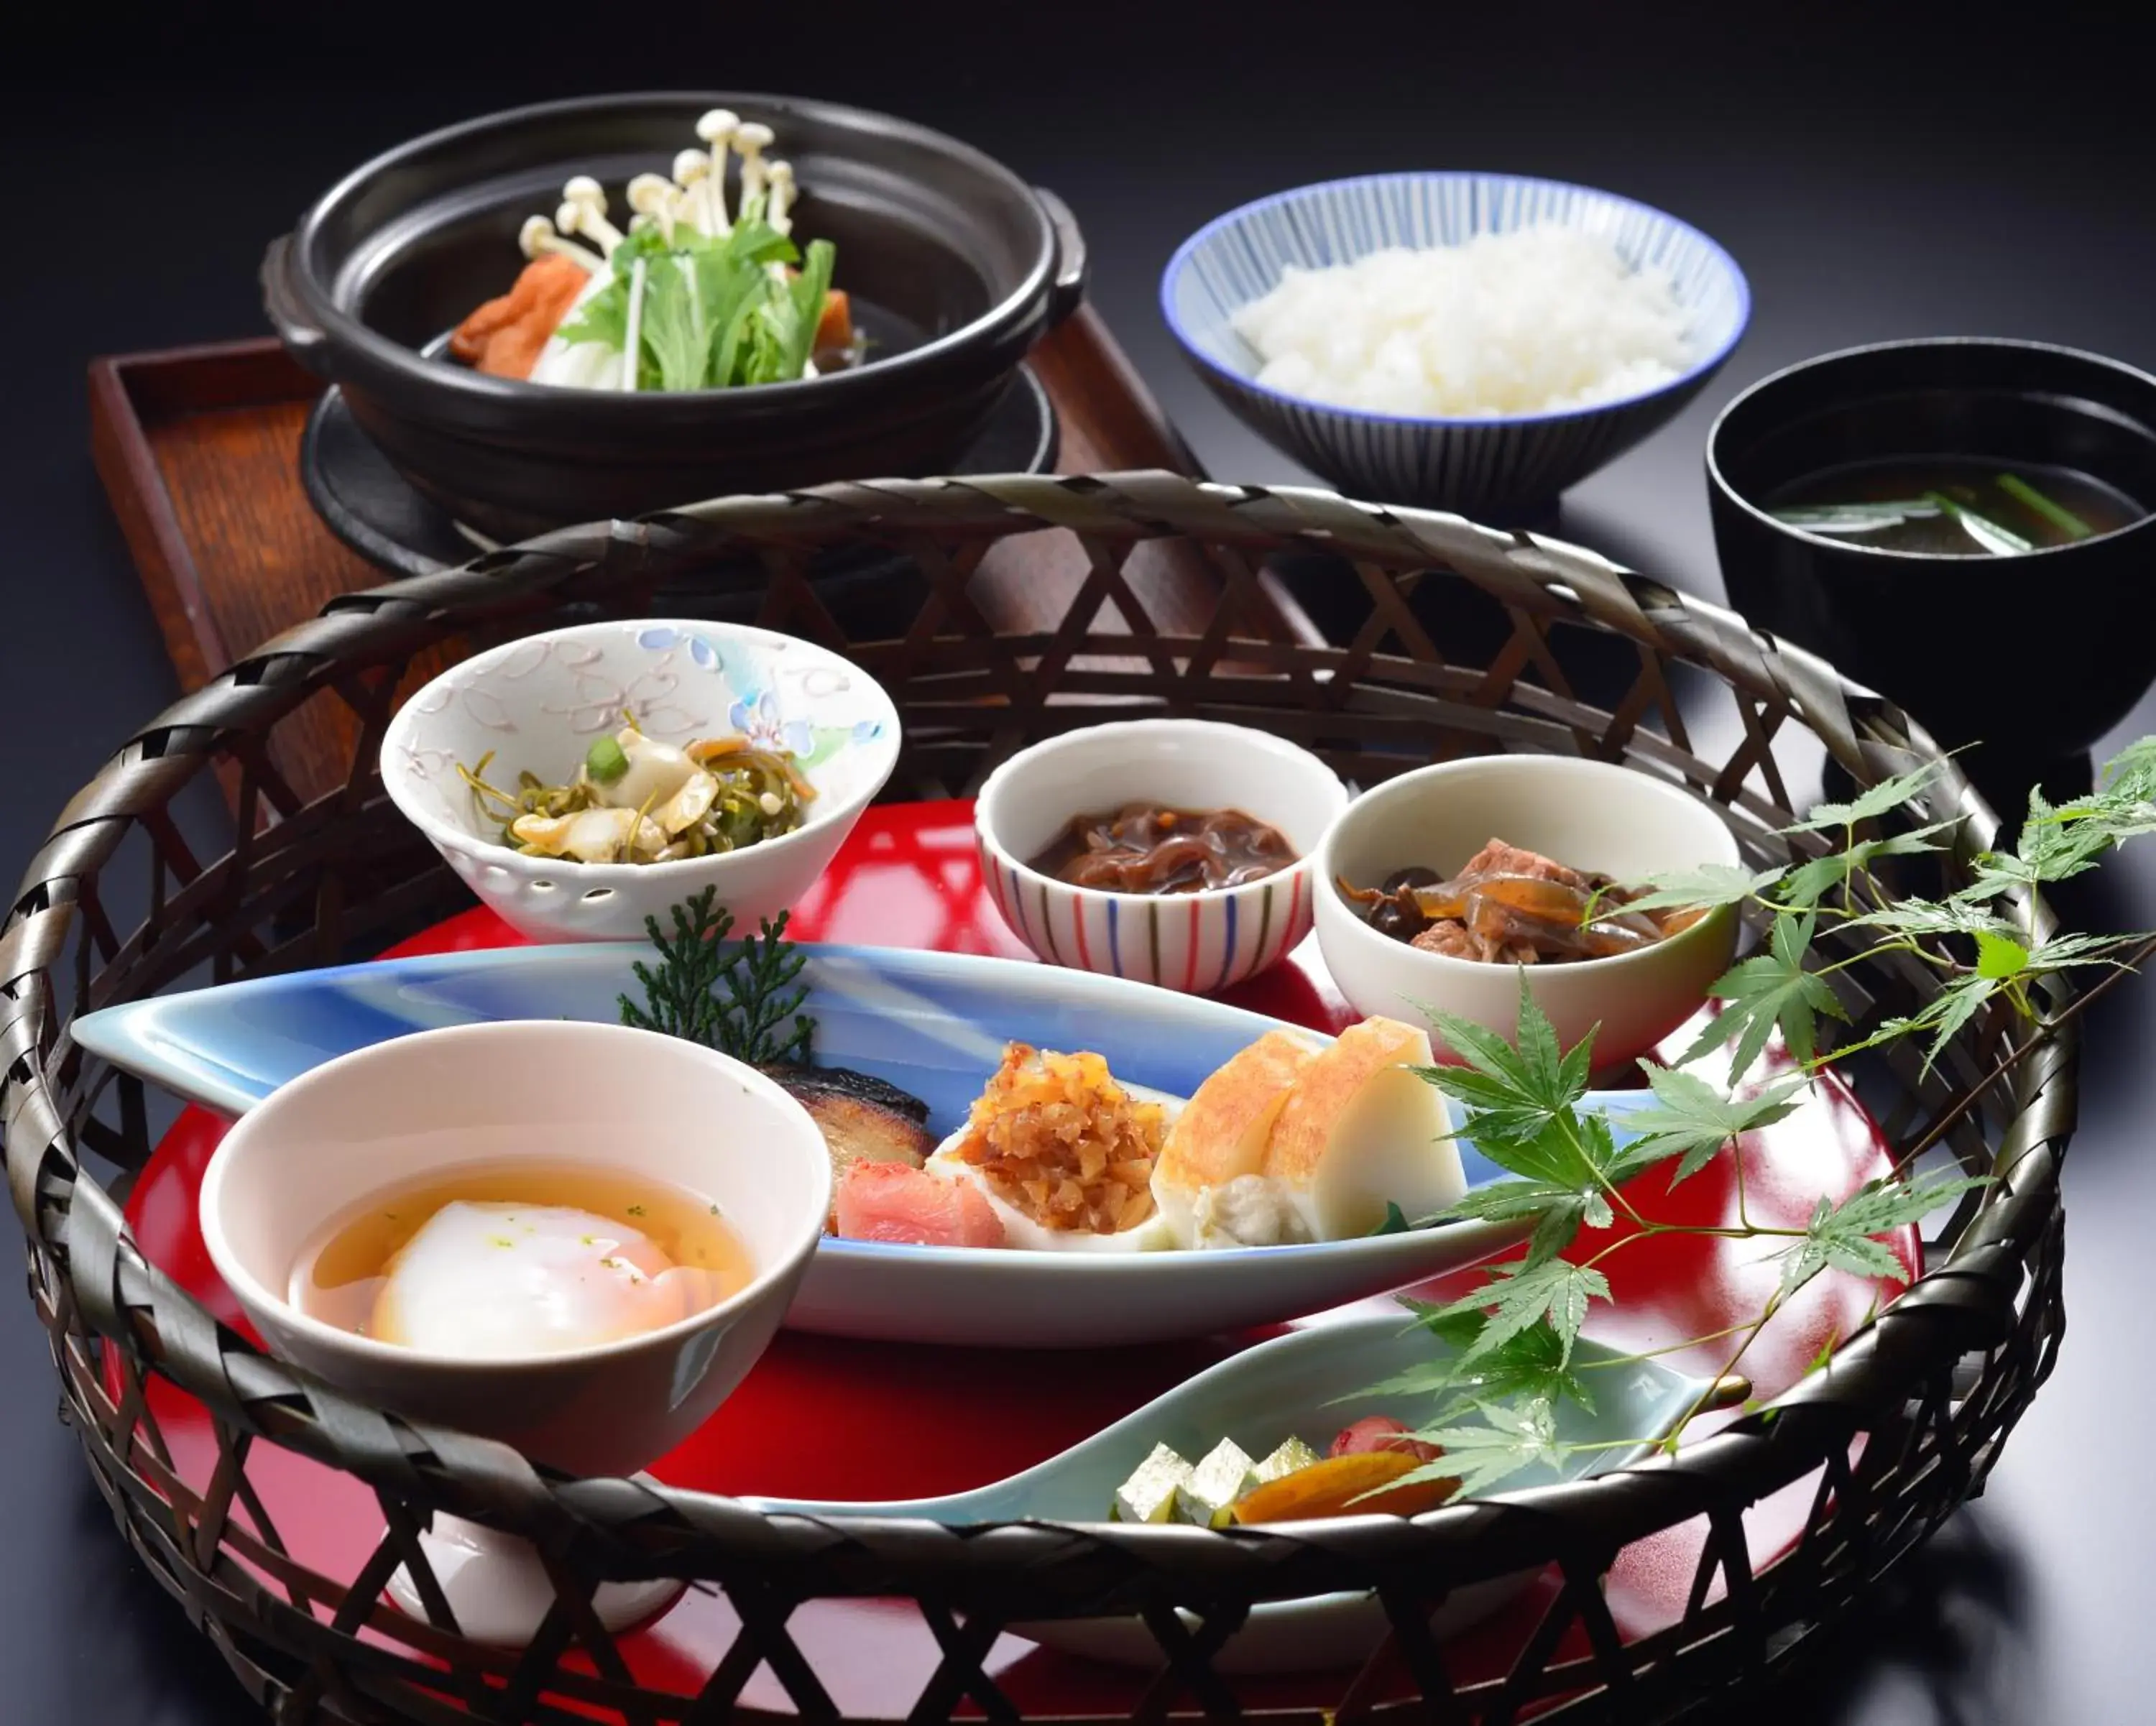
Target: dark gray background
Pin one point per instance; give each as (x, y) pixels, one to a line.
(1877, 174)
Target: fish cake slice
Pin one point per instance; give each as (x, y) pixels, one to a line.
(1360, 1129)
(1223, 1130)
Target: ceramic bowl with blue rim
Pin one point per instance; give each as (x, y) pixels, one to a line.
(1196, 943)
(1498, 467)
(536, 705)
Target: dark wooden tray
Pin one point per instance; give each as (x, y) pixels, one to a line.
(198, 451)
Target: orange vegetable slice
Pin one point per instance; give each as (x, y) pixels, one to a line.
(1337, 1486)
(505, 335)
(835, 327)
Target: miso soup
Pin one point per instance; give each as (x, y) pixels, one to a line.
(1953, 506)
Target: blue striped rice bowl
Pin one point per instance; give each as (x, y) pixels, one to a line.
(1198, 942)
(1492, 467)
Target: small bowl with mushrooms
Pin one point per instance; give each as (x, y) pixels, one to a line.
(583, 779)
(1444, 887)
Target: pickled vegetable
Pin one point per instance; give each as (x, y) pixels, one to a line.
(1292, 1455)
(1149, 1494)
(1222, 1477)
(1366, 1483)
(636, 800)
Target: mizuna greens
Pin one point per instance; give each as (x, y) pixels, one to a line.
(710, 311)
(699, 293)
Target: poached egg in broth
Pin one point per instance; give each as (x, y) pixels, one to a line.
(513, 1259)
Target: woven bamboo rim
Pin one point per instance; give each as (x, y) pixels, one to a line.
(118, 904)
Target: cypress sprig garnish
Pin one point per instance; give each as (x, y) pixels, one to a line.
(734, 996)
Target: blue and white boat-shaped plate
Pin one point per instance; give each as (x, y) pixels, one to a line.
(934, 1024)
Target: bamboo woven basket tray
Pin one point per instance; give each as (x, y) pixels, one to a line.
(1580, 657)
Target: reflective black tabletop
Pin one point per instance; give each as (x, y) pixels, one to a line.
(1875, 177)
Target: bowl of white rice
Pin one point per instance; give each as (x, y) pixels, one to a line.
(1473, 342)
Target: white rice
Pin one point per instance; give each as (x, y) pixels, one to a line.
(1534, 321)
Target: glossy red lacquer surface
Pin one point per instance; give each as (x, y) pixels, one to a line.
(823, 1417)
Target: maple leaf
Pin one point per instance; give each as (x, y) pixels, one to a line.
(1844, 1236)
(1516, 1091)
(1525, 1120)
(1509, 1439)
(1520, 1294)
(1882, 799)
(1812, 882)
(1917, 917)
(1692, 1120)
(1767, 990)
(1529, 1365)
(1702, 888)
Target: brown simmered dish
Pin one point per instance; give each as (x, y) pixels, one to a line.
(1143, 847)
(1510, 906)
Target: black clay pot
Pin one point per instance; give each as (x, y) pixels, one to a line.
(954, 265)
(2034, 656)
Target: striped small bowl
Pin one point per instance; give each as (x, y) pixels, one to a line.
(1501, 466)
(1195, 942)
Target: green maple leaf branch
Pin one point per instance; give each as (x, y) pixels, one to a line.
(1504, 1360)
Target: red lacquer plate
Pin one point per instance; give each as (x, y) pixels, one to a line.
(827, 1418)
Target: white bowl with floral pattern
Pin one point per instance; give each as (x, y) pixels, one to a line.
(537, 703)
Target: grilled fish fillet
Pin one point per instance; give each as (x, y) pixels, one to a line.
(864, 1119)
